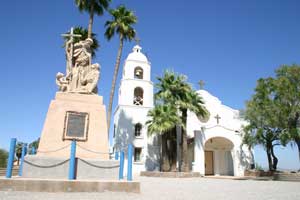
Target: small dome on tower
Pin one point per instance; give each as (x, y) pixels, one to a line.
(137, 55)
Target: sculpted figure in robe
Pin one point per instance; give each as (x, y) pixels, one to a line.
(61, 82)
(89, 82)
(82, 76)
(83, 54)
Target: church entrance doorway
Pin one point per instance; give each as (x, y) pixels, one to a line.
(218, 157)
(209, 163)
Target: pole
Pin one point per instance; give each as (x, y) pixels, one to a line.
(33, 151)
(129, 168)
(24, 147)
(116, 155)
(72, 161)
(121, 169)
(11, 157)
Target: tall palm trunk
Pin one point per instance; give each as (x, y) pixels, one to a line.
(171, 150)
(185, 163)
(91, 20)
(165, 164)
(173, 154)
(113, 85)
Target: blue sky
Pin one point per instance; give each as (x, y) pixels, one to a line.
(228, 44)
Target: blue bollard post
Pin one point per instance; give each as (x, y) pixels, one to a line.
(121, 169)
(129, 167)
(11, 157)
(72, 161)
(24, 149)
(116, 155)
(33, 151)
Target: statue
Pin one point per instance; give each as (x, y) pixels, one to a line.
(81, 75)
(61, 82)
(89, 82)
(69, 49)
(82, 52)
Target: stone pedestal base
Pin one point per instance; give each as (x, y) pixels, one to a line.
(58, 168)
(54, 143)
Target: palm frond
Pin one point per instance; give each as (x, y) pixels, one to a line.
(121, 23)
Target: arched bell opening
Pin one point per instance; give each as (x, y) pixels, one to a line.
(138, 98)
(138, 73)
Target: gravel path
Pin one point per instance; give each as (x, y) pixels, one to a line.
(188, 188)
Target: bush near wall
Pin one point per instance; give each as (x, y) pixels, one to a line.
(3, 158)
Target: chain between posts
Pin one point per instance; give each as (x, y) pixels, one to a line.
(97, 166)
(44, 166)
(52, 151)
(96, 152)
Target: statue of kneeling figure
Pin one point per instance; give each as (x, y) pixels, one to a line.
(89, 82)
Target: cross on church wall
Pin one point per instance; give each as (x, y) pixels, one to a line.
(137, 40)
(218, 118)
(201, 84)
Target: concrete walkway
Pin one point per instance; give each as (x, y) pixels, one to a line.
(183, 188)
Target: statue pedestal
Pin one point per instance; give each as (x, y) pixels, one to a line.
(75, 115)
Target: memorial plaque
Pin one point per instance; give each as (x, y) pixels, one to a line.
(76, 125)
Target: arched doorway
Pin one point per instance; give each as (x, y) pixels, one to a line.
(218, 158)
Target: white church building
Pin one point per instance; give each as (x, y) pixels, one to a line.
(215, 145)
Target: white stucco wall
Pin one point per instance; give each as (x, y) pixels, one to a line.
(126, 91)
(125, 119)
(127, 114)
(229, 127)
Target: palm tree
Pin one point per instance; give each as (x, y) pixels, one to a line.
(175, 90)
(163, 120)
(121, 23)
(84, 35)
(92, 7)
(19, 151)
(193, 102)
(34, 144)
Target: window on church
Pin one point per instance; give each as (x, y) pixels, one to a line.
(138, 73)
(138, 96)
(137, 154)
(137, 130)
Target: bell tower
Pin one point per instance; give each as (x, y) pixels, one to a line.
(136, 88)
(135, 100)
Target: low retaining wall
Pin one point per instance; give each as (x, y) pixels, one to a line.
(58, 168)
(277, 176)
(287, 176)
(170, 174)
(32, 185)
(259, 173)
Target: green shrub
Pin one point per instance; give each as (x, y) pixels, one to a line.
(3, 158)
(258, 167)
